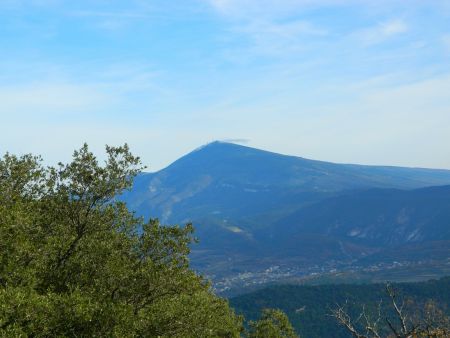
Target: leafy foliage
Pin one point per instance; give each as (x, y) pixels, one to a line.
(74, 261)
(272, 324)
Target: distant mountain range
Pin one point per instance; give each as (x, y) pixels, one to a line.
(255, 209)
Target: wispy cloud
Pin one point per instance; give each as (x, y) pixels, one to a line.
(382, 31)
(236, 140)
(277, 38)
(268, 8)
(286, 28)
(50, 92)
(267, 27)
(393, 27)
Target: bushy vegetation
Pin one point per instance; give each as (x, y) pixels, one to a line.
(75, 262)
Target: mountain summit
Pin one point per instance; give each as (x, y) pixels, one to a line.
(228, 163)
(247, 203)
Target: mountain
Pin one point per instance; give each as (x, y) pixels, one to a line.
(375, 217)
(254, 209)
(367, 227)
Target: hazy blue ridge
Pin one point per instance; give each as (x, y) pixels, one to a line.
(254, 208)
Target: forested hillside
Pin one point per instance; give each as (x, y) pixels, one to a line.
(309, 307)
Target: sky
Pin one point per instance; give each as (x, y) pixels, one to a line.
(348, 81)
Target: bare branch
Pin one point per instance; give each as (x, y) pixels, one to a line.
(344, 319)
(399, 310)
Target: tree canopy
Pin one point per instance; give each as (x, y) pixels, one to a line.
(273, 324)
(74, 261)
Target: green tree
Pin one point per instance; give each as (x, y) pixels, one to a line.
(272, 324)
(74, 261)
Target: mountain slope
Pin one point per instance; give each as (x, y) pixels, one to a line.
(388, 217)
(375, 225)
(253, 208)
(237, 181)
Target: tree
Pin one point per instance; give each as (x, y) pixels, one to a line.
(272, 324)
(398, 321)
(74, 261)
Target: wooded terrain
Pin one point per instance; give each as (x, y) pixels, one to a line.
(310, 308)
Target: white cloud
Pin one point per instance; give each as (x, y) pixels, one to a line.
(271, 30)
(382, 31)
(393, 27)
(236, 140)
(276, 38)
(267, 27)
(287, 30)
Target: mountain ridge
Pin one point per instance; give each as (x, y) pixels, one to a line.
(242, 202)
(241, 146)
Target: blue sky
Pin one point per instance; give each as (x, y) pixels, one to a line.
(338, 80)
